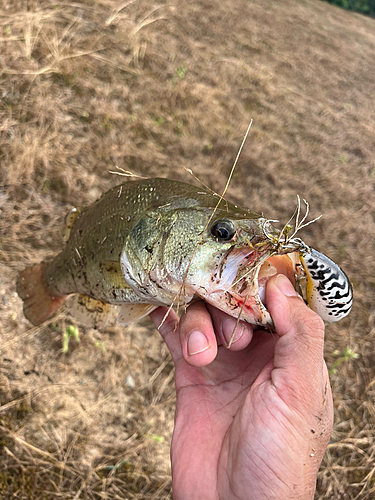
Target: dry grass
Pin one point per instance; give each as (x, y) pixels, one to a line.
(86, 86)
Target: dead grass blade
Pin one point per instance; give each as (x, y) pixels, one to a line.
(115, 13)
(113, 64)
(51, 459)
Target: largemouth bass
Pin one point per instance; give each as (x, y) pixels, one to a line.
(160, 242)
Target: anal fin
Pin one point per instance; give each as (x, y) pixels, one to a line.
(131, 312)
(91, 312)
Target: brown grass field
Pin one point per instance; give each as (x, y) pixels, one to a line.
(154, 87)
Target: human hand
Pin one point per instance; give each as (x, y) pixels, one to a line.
(253, 421)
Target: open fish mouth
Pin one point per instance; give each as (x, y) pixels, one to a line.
(240, 282)
(322, 284)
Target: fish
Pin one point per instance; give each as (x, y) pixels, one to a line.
(159, 242)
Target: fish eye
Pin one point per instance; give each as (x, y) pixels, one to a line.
(223, 230)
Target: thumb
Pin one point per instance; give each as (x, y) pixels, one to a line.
(299, 348)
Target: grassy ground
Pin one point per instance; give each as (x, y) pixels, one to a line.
(154, 87)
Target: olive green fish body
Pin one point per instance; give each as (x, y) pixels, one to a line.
(161, 242)
(148, 213)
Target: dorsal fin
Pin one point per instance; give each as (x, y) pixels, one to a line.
(69, 221)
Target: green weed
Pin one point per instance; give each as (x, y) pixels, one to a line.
(71, 331)
(342, 357)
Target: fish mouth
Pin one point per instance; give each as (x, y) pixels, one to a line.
(244, 278)
(289, 265)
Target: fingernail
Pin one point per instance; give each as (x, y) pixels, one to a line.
(197, 342)
(227, 327)
(285, 286)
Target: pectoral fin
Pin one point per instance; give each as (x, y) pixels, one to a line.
(111, 271)
(132, 312)
(91, 312)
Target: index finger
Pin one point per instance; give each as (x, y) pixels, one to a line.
(192, 337)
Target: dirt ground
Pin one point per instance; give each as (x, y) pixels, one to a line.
(156, 88)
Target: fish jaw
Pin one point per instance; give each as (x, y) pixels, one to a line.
(237, 285)
(233, 286)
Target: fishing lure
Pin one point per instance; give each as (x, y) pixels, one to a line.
(323, 285)
(328, 290)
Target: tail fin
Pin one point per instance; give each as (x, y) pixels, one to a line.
(38, 304)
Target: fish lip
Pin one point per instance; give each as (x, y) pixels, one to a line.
(244, 288)
(252, 282)
(233, 268)
(239, 272)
